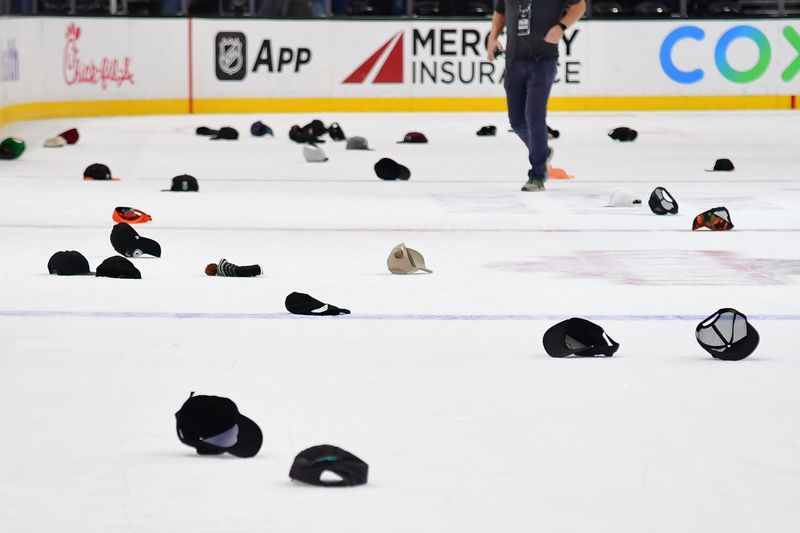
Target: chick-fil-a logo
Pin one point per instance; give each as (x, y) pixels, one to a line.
(76, 71)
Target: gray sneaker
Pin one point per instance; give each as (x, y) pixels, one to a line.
(533, 186)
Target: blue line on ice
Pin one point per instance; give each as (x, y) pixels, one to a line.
(287, 316)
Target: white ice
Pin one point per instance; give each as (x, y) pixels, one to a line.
(440, 382)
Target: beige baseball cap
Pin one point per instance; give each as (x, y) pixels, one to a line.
(403, 260)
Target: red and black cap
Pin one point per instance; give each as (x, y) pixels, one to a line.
(578, 336)
(389, 169)
(715, 219)
(68, 263)
(131, 215)
(118, 267)
(98, 172)
(727, 335)
(129, 243)
(213, 425)
(310, 464)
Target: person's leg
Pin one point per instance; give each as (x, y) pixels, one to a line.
(539, 83)
(516, 85)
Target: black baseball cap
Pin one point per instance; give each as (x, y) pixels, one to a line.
(98, 172)
(389, 169)
(661, 202)
(310, 464)
(118, 267)
(183, 183)
(299, 303)
(68, 263)
(727, 335)
(580, 337)
(487, 131)
(203, 130)
(213, 425)
(623, 134)
(129, 243)
(722, 165)
(259, 129)
(226, 133)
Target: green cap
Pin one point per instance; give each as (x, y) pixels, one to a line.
(11, 148)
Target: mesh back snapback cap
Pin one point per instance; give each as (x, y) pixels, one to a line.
(727, 335)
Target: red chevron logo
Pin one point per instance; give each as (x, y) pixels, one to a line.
(391, 68)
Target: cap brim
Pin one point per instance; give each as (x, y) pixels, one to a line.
(417, 261)
(250, 438)
(149, 246)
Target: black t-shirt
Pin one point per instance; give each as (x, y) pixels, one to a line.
(544, 14)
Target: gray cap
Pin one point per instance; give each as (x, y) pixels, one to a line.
(314, 154)
(357, 143)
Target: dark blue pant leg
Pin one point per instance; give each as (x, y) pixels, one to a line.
(528, 83)
(540, 82)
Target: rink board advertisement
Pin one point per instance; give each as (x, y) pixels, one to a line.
(99, 66)
(260, 59)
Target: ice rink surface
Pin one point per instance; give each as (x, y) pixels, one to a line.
(439, 382)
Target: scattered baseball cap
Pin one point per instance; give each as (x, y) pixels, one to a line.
(226, 133)
(299, 303)
(126, 241)
(55, 142)
(414, 137)
(183, 183)
(580, 337)
(259, 129)
(203, 130)
(310, 465)
(98, 172)
(389, 169)
(131, 215)
(552, 133)
(68, 263)
(722, 165)
(357, 143)
(118, 267)
(213, 425)
(715, 219)
(623, 134)
(316, 127)
(403, 260)
(304, 134)
(314, 154)
(11, 148)
(71, 135)
(335, 132)
(621, 197)
(727, 335)
(487, 131)
(661, 202)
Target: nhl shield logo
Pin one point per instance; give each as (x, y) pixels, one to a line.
(231, 56)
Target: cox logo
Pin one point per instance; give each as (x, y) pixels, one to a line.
(721, 54)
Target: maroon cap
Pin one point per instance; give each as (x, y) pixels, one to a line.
(414, 137)
(71, 136)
